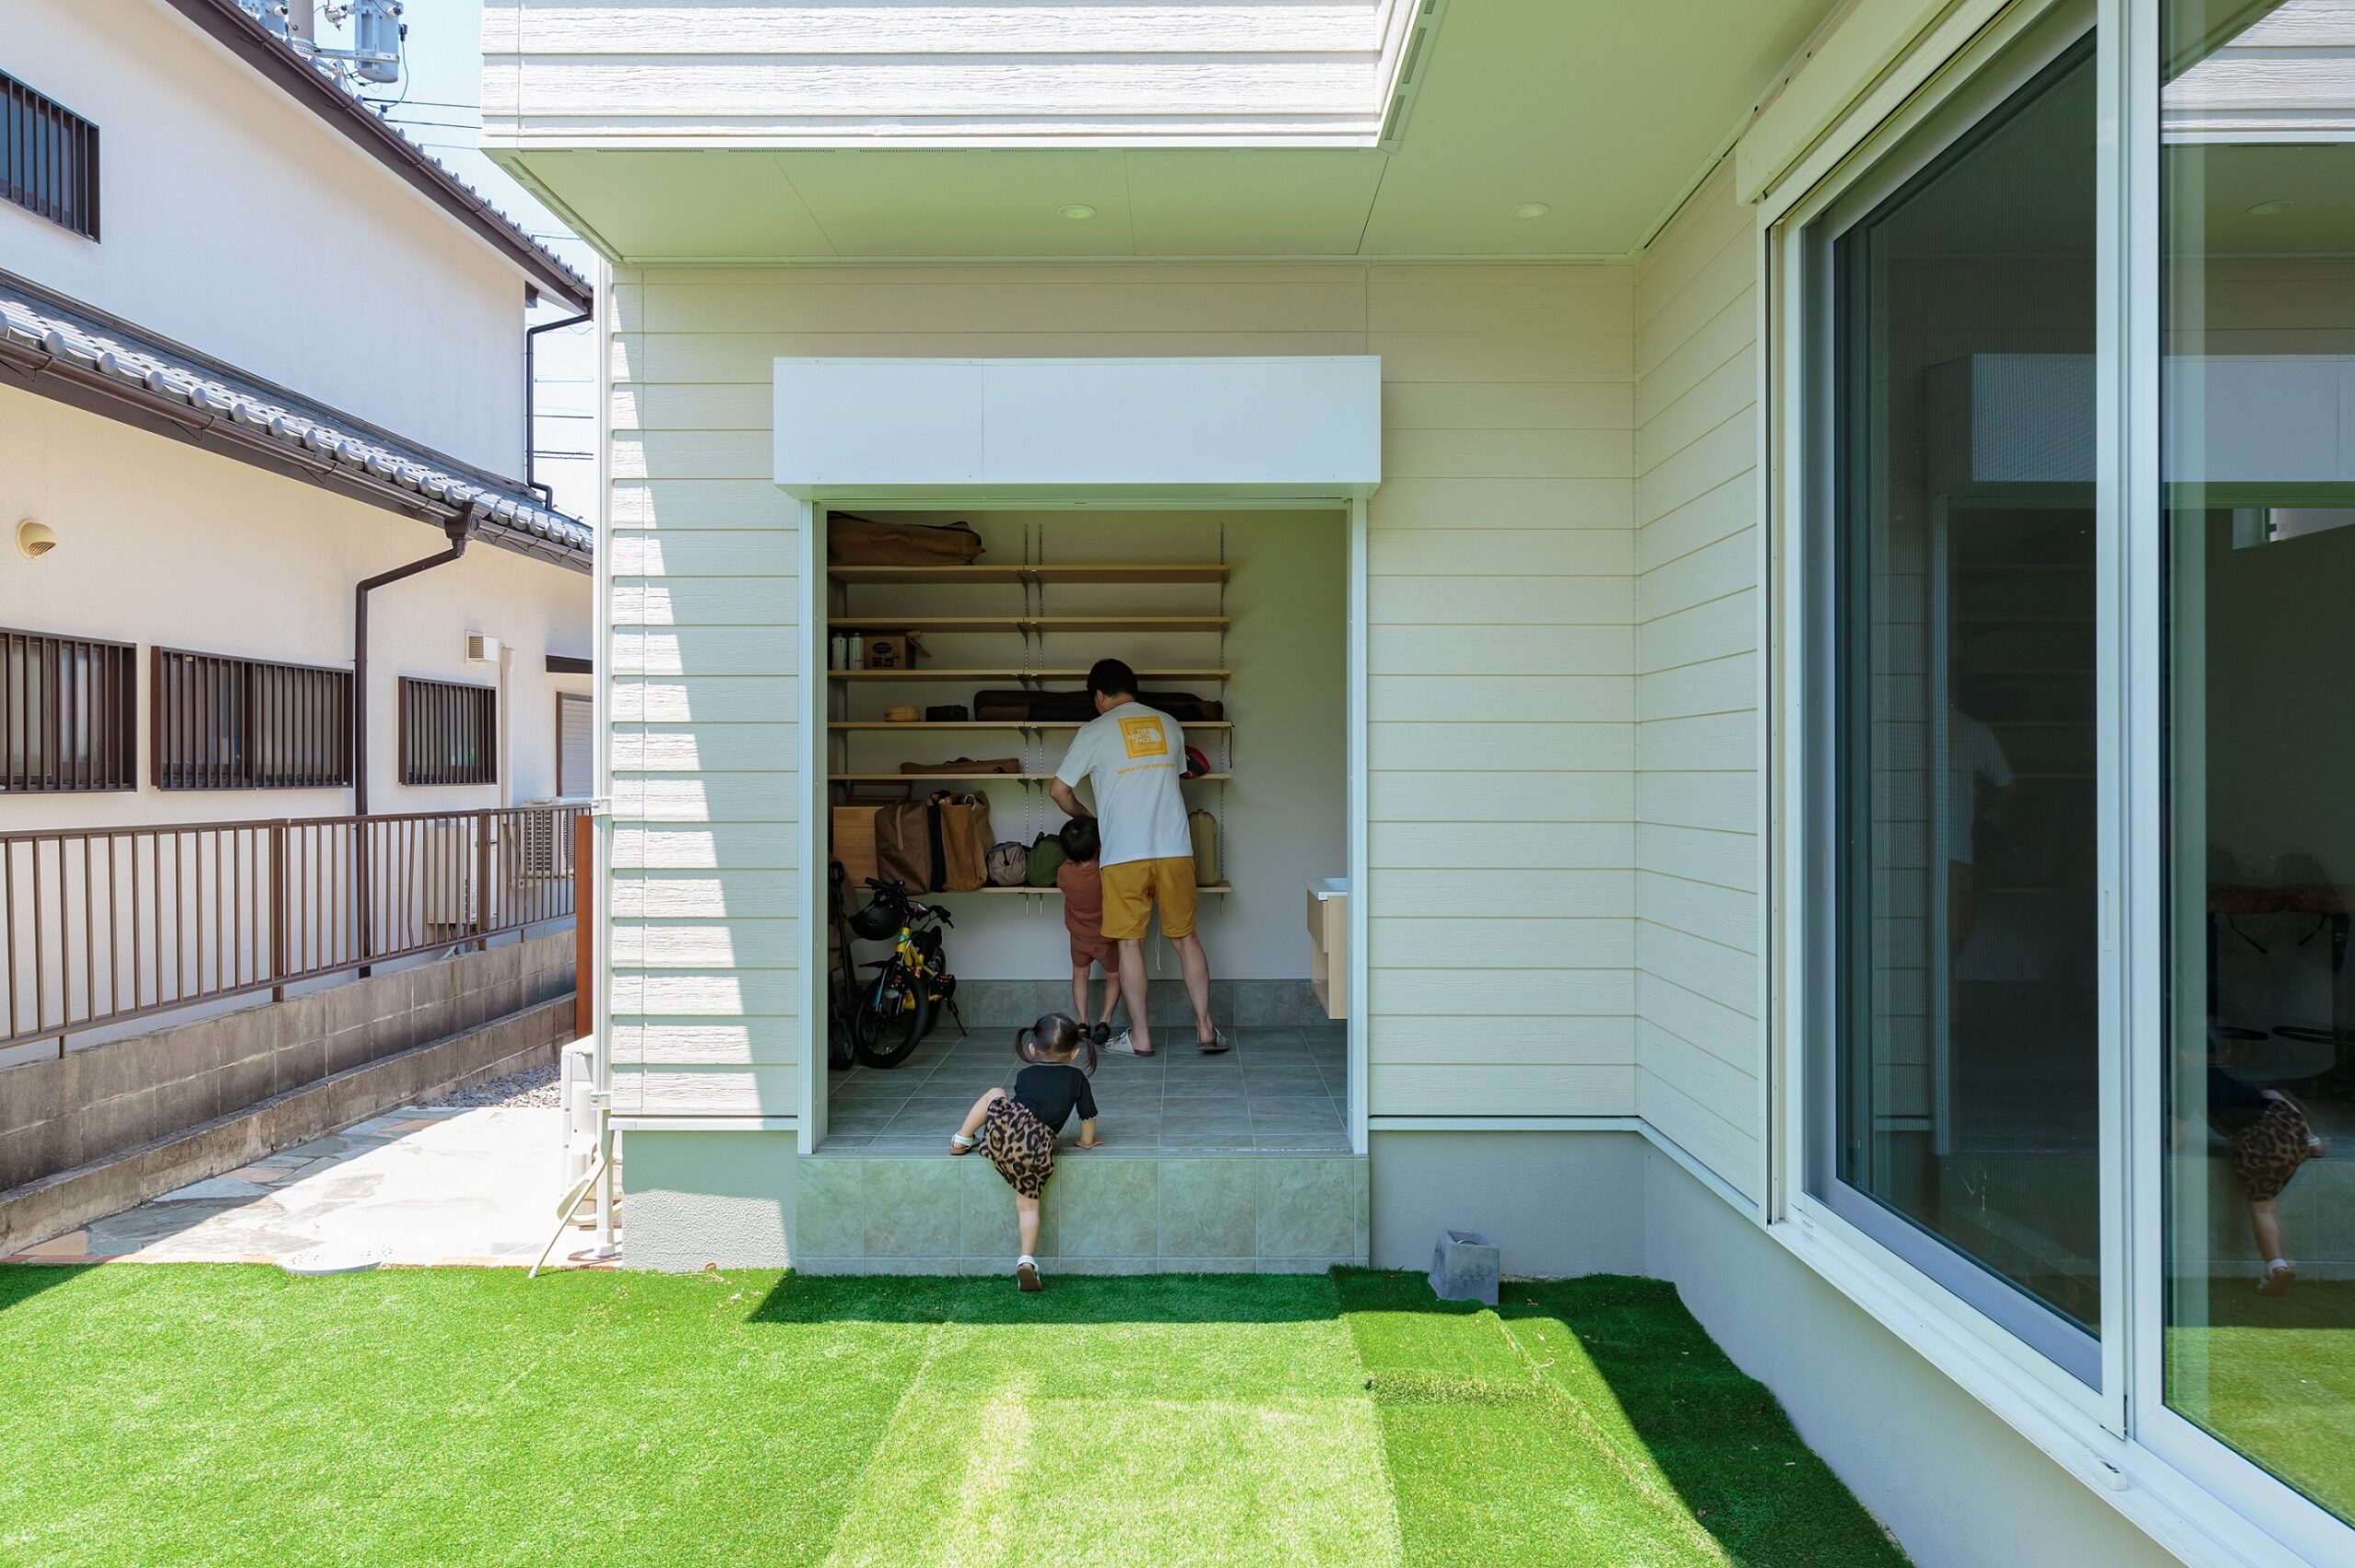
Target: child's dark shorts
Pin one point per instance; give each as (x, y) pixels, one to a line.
(1019, 1145)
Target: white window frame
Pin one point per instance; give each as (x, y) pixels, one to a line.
(1969, 1302)
(2209, 1462)
(2196, 1496)
(808, 635)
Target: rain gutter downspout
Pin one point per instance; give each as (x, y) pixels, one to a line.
(531, 383)
(459, 530)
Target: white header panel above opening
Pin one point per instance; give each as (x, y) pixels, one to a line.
(1095, 429)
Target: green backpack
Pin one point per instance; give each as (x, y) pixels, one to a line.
(1046, 858)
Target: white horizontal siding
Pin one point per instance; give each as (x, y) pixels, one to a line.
(1700, 1047)
(1502, 642)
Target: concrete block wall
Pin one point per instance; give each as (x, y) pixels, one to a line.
(99, 1102)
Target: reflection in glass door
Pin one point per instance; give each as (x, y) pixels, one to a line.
(2258, 196)
(1961, 303)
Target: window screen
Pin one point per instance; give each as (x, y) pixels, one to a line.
(67, 707)
(49, 158)
(228, 722)
(449, 733)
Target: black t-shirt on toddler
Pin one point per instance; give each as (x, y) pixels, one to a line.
(1051, 1089)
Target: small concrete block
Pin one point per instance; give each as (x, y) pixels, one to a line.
(1464, 1268)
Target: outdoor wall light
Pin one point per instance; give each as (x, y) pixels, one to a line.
(1076, 210)
(1532, 210)
(2270, 209)
(35, 540)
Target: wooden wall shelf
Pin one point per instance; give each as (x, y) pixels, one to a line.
(925, 672)
(985, 778)
(949, 625)
(1057, 892)
(882, 724)
(1202, 571)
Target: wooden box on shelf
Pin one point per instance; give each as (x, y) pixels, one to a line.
(1328, 944)
(892, 651)
(854, 843)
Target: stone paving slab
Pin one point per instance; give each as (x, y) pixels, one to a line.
(417, 1186)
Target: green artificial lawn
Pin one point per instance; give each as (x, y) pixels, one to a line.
(2274, 1377)
(211, 1413)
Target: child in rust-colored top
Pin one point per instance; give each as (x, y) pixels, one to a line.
(1083, 891)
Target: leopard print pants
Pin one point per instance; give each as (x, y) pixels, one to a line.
(2268, 1152)
(1019, 1145)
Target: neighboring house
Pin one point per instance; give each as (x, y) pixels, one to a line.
(256, 350)
(1826, 610)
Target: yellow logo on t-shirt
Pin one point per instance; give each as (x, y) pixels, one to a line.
(1145, 736)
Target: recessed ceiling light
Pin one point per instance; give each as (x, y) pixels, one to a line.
(1078, 211)
(2270, 209)
(1532, 210)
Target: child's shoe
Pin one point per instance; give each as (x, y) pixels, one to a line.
(1026, 1273)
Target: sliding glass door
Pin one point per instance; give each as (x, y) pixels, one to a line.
(2257, 468)
(1958, 1115)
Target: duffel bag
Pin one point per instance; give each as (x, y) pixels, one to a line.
(862, 542)
(1009, 864)
(1046, 858)
(1034, 708)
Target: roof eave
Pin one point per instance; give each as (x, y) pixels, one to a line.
(229, 26)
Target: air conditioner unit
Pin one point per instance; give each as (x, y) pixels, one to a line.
(546, 834)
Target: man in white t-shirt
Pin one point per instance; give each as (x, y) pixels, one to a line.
(1133, 756)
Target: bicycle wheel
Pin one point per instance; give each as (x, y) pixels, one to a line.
(894, 1012)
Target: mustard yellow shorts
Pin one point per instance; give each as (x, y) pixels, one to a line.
(1134, 888)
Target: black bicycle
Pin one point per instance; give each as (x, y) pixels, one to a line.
(901, 1004)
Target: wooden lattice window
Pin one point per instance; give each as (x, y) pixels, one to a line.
(49, 158)
(449, 733)
(226, 723)
(68, 714)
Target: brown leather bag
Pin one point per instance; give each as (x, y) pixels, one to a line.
(965, 841)
(963, 765)
(861, 542)
(907, 848)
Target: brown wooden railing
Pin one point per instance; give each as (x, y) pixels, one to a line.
(105, 924)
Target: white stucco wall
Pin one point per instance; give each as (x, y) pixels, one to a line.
(170, 545)
(235, 222)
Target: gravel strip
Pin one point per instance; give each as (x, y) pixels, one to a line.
(538, 1087)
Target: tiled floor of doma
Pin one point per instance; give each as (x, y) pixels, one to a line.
(1280, 1090)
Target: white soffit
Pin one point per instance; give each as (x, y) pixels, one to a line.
(1102, 429)
(1600, 113)
(945, 74)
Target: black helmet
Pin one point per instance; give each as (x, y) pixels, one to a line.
(882, 917)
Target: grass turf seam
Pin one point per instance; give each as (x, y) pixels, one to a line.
(1644, 1478)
